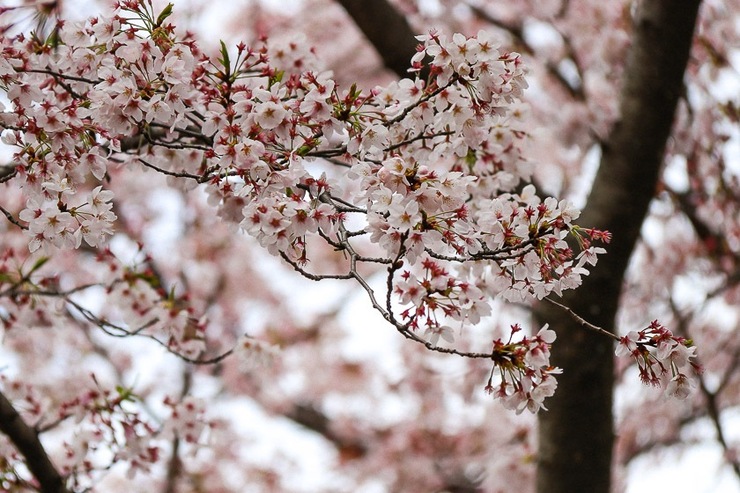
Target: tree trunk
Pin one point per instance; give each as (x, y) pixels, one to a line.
(576, 434)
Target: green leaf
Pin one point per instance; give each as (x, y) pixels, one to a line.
(354, 92)
(38, 264)
(470, 159)
(164, 14)
(224, 60)
(147, 277)
(277, 78)
(53, 40)
(126, 394)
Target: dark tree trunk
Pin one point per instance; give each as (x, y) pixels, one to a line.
(576, 434)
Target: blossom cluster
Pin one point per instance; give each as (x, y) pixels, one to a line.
(254, 354)
(663, 359)
(137, 302)
(187, 418)
(524, 377)
(438, 296)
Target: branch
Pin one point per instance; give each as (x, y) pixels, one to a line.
(114, 330)
(715, 242)
(174, 465)
(308, 416)
(7, 172)
(387, 30)
(27, 442)
(713, 410)
(12, 218)
(310, 276)
(176, 174)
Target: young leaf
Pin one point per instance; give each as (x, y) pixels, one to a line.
(166, 12)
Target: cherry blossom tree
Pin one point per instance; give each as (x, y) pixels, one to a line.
(159, 194)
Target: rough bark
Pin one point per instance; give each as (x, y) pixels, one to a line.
(576, 434)
(27, 442)
(386, 29)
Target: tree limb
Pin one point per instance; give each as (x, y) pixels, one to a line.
(27, 442)
(309, 417)
(387, 30)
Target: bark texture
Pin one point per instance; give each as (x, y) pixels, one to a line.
(576, 434)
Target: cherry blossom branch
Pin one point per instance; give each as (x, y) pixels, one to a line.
(503, 253)
(257, 138)
(176, 174)
(578, 91)
(114, 330)
(309, 275)
(713, 411)
(387, 29)
(420, 137)
(174, 464)
(309, 417)
(14, 289)
(187, 132)
(27, 442)
(7, 172)
(328, 198)
(393, 268)
(408, 334)
(635, 449)
(428, 95)
(176, 144)
(58, 75)
(12, 218)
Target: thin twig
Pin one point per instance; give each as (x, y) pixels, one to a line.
(310, 276)
(583, 321)
(12, 218)
(177, 174)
